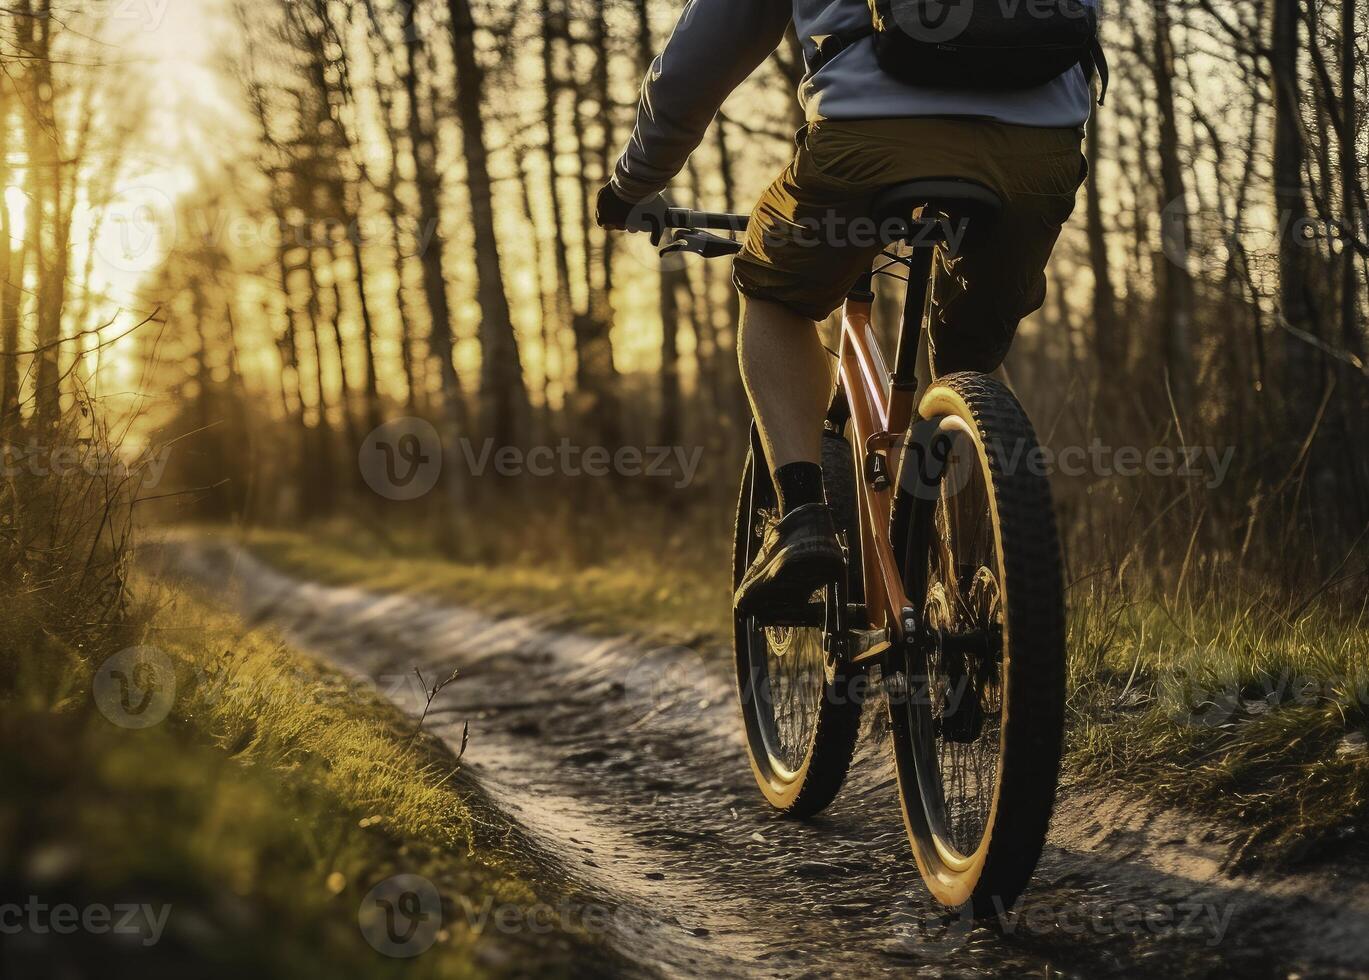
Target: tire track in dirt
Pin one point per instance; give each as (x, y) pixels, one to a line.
(628, 762)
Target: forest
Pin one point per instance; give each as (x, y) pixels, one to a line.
(385, 211)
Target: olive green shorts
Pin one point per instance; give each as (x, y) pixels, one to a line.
(811, 236)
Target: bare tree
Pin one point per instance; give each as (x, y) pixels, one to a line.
(1176, 296)
(1106, 339)
(1296, 308)
(13, 255)
(503, 392)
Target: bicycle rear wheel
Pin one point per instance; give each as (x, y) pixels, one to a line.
(976, 702)
(800, 711)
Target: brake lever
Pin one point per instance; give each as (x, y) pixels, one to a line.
(700, 243)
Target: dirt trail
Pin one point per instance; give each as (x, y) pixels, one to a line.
(628, 762)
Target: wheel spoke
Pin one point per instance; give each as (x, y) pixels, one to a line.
(963, 681)
(794, 668)
(789, 667)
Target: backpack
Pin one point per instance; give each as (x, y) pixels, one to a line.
(980, 45)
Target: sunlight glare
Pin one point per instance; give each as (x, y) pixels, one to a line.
(16, 202)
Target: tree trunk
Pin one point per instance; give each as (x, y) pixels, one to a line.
(551, 121)
(596, 376)
(344, 377)
(1300, 368)
(546, 295)
(504, 394)
(1352, 394)
(670, 279)
(1349, 183)
(668, 432)
(12, 263)
(408, 343)
(1107, 342)
(320, 486)
(367, 324)
(45, 204)
(426, 178)
(1176, 304)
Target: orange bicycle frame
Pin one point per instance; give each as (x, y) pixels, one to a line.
(882, 405)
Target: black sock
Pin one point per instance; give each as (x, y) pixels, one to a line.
(798, 484)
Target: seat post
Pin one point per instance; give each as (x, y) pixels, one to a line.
(914, 317)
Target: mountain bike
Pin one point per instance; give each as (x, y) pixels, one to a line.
(954, 591)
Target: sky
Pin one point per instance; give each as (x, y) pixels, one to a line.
(162, 54)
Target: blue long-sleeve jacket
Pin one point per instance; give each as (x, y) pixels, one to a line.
(718, 43)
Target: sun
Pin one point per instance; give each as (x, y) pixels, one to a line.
(16, 203)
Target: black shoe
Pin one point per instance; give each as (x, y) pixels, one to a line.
(799, 555)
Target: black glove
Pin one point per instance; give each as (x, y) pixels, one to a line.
(614, 213)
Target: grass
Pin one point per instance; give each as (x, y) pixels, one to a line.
(1247, 707)
(1253, 708)
(666, 581)
(261, 811)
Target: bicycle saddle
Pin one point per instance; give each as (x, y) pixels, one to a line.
(910, 211)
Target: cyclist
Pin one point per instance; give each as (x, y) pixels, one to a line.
(865, 130)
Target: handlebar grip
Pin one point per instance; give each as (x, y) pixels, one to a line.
(706, 220)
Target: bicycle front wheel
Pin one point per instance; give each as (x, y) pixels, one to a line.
(801, 711)
(976, 701)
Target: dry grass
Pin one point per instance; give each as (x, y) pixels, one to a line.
(1253, 709)
(645, 575)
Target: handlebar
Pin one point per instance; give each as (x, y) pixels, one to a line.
(683, 218)
(683, 230)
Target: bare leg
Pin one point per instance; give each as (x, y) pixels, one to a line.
(788, 377)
